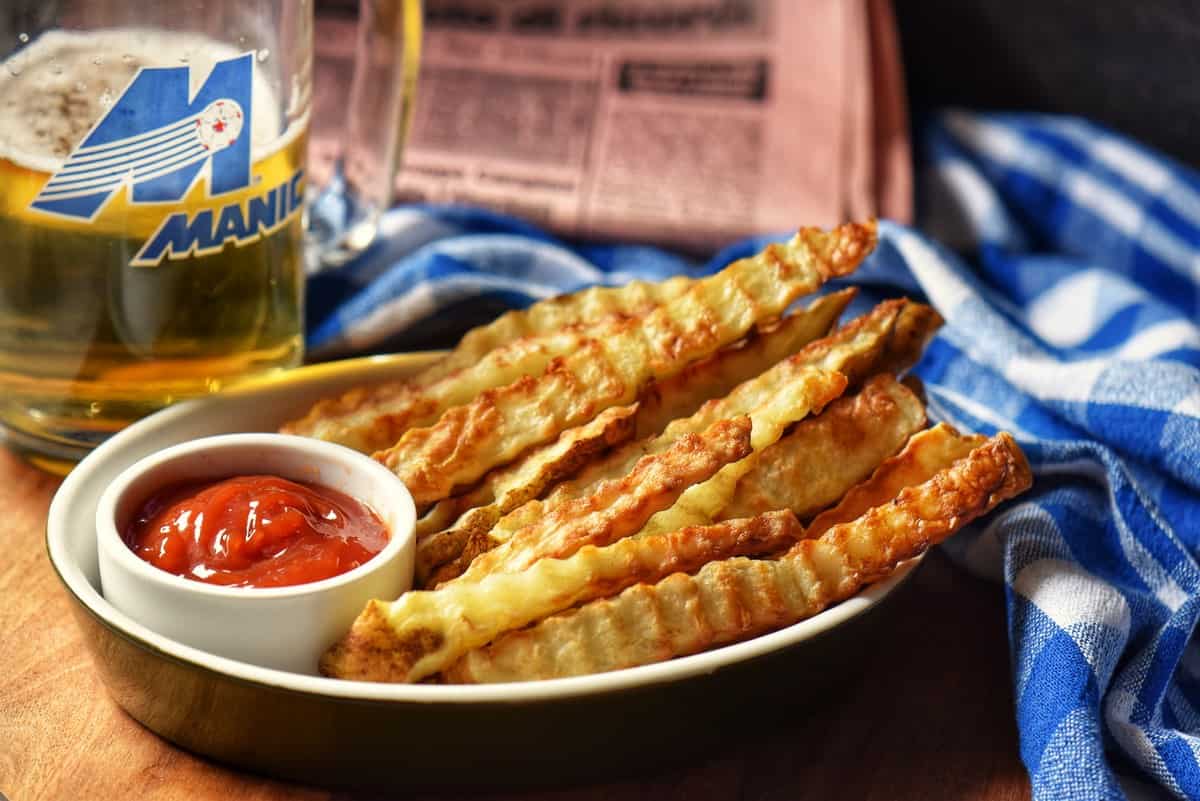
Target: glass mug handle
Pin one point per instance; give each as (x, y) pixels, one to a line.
(343, 213)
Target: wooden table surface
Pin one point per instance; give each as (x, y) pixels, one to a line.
(931, 718)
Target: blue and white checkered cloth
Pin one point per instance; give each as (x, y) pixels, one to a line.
(1073, 321)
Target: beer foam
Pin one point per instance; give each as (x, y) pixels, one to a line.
(55, 90)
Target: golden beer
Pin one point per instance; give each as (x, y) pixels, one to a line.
(89, 338)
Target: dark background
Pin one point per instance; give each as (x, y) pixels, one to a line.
(1131, 65)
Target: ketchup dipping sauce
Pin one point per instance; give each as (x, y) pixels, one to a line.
(255, 531)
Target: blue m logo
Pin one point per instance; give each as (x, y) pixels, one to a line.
(158, 138)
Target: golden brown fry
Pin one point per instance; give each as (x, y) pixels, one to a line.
(442, 515)
(378, 424)
(824, 456)
(469, 440)
(398, 651)
(852, 349)
(482, 542)
(915, 326)
(681, 395)
(462, 616)
(517, 343)
(531, 473)
(734, 599)
(855, 346)
(700, 504)
(795, 391)
(859, 349)
(443, 532)
(925, 454)
(656, 480)
(585, 306)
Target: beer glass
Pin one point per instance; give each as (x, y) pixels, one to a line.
(153, 234)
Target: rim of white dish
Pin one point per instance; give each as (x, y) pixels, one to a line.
(57, 529)
(312, 449)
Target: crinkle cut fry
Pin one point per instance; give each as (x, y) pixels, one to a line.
(463, 616)
(808, 388)
(916, 325)
(469, 440)
(714, 377)
(373, 418)
(701, 504)
(854, 346)
(924, 454)
(443, 532)
(758, 492)
(853, 349)
(417, 629)
(584, 306)
(735, 599)
(823, 457)
(380, 423)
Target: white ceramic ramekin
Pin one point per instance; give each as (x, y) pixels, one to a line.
(286, 628)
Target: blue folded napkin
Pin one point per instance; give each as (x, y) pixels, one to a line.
(1070, 281)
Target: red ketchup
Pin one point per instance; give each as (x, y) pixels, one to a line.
(255, 531)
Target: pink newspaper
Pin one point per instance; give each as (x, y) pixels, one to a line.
(685, 122)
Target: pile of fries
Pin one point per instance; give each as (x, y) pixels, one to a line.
(622, 476)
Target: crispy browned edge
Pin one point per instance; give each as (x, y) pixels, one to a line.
(846, 424)
(440, 547)
(922, 322)
(924, 454)
(358, 654)
(994, 472)
(431, 459)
